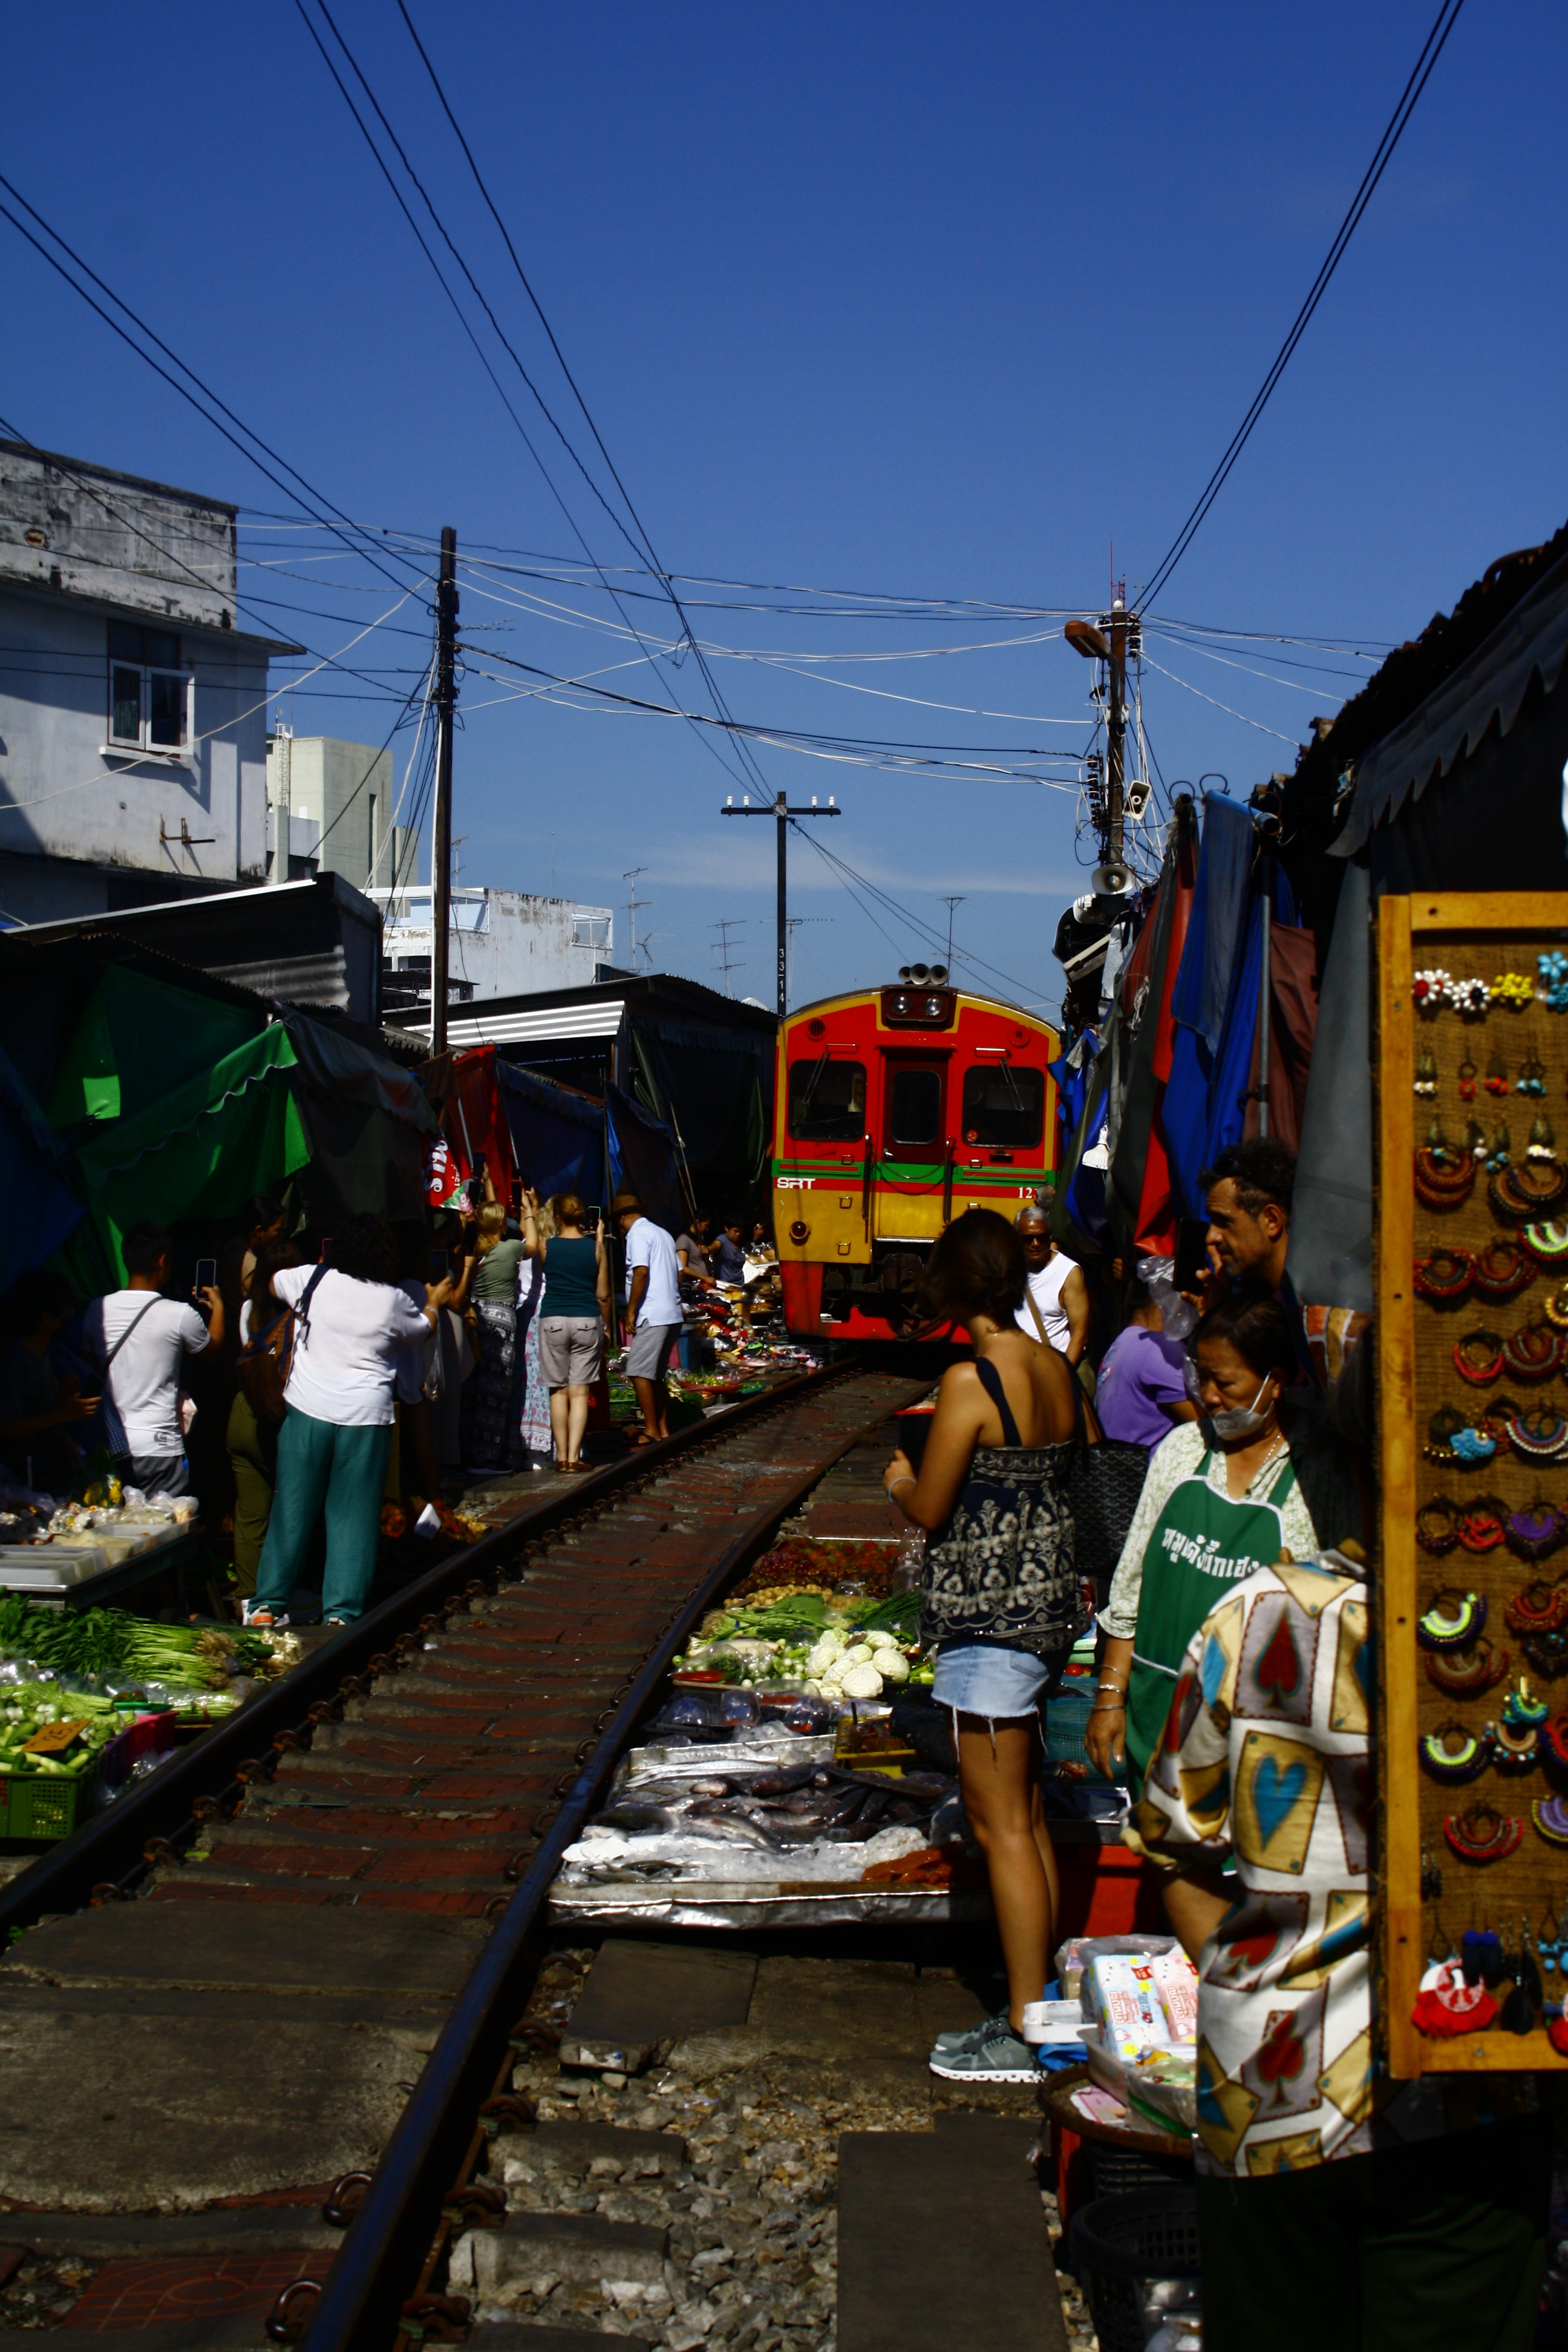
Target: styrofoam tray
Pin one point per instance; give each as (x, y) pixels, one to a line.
(47, 1568)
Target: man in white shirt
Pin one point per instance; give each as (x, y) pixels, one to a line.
(1055, 1304)
(653, 1312)
(143, 1338)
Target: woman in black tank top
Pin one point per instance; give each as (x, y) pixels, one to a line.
(1000, 1599)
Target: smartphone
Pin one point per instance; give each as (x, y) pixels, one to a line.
(1191, 1253)
(206, 1275)
(594, 1213)
(437, 1266)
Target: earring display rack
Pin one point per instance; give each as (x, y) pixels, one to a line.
(1466, 983)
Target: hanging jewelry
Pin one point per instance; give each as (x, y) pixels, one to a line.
(1522, 1706)
(1553, 990)
(1443, 1177)
(1483, 1526)
(1453, 1755)
(1436, 1525)
(1538, 1435)
(1431, 1878)
(1549, 1943)
(1497, 1074)
(1498, 1158)
(1513, 1746)
(1454, 1621)
(1475, 1140)
(1528, 1191)
(1554, 1307)
(1481, 1953)
(1502, 1270)
(1537, 1531)
(1547, 1243)
(1468, 1075)
(1514, 989)
(1469, 998)
(1465, 1674)
(1427, 1072)
(1473, 1446)
(1429, 991)
(1554, 1741)
(1483, 1835)
(1531, 1078)
(1549, 1815)
(1538, 1609)
(1477, 1357)
(1445, 1273)
(1534, 1353)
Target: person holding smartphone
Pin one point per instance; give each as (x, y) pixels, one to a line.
(143, 1338)
(572, 1327)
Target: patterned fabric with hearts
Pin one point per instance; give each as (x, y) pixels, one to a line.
(1269, 1772)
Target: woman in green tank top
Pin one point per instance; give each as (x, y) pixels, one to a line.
(571, 1317)
(1222, 1498)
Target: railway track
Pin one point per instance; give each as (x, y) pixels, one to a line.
(284, 1976)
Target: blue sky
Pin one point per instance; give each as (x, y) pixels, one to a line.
(929, 302)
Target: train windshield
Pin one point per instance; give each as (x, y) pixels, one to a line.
(1004, 1107)
(914, 1107)
(828, 1100)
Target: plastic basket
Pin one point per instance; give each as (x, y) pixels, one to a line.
(1119, 2243)
(40, 1805)
(1117, 2172)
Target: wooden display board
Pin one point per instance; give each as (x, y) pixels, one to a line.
(1472, 939)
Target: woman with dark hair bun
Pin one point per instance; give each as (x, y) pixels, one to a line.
(351, 1324)
(1223, 1497)
(999, 1598)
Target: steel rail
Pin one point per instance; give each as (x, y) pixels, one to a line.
(386, 2252)
(171, 1803)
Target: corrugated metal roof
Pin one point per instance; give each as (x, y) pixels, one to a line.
(544, 1024)
(1491, 683)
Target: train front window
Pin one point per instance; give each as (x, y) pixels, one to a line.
(914, 1107)
(1004, 1108)
(826, 1100)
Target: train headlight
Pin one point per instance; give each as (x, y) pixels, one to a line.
(799, 1232)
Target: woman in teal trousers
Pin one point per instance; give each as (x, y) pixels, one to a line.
(352, 1324)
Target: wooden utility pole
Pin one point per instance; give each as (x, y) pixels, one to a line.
(446, 702)
(1116, 736)
(781, 810)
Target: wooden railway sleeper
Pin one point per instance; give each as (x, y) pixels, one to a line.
(345, 2199)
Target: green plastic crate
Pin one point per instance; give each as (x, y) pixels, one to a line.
(39, 1805)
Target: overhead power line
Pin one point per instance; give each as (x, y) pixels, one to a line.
(1431, 50)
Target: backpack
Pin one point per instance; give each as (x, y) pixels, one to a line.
(264, 1364)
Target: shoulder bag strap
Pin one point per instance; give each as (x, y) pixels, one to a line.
(1039, 1319)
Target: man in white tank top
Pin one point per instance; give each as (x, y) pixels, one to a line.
(1055, 1309)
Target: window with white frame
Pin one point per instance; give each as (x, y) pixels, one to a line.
(148, 693)
(590, 931)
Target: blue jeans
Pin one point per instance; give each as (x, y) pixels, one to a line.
(987, 1678)
(325, 1465)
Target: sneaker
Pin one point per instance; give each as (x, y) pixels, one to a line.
(264, 1619)
(954, 2037)
(337, 1621)
(992, 2054)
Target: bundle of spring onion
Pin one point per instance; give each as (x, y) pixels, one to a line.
(111, 1642)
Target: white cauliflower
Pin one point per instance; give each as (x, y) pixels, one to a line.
(892, 1665)
(825, 1653)
(862, 1681)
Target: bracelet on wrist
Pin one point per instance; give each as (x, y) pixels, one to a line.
(893, 1485)
(1109, 1706)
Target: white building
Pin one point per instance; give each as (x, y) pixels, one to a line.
(501, 943)
(340, 798)
(133, 712)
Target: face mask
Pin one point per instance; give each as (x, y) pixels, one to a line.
(1240, 1419)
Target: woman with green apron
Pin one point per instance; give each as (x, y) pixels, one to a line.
(1221, 1499)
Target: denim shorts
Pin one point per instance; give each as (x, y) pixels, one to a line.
(986, 1679)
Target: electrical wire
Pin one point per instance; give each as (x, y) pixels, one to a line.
(203, 388)
(1222, 706)
(1431, 50)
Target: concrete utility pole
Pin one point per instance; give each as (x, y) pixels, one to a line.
(781, 810)
(445, 700)
(283, 762)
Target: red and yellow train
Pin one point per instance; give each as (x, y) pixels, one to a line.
(896, 1110)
